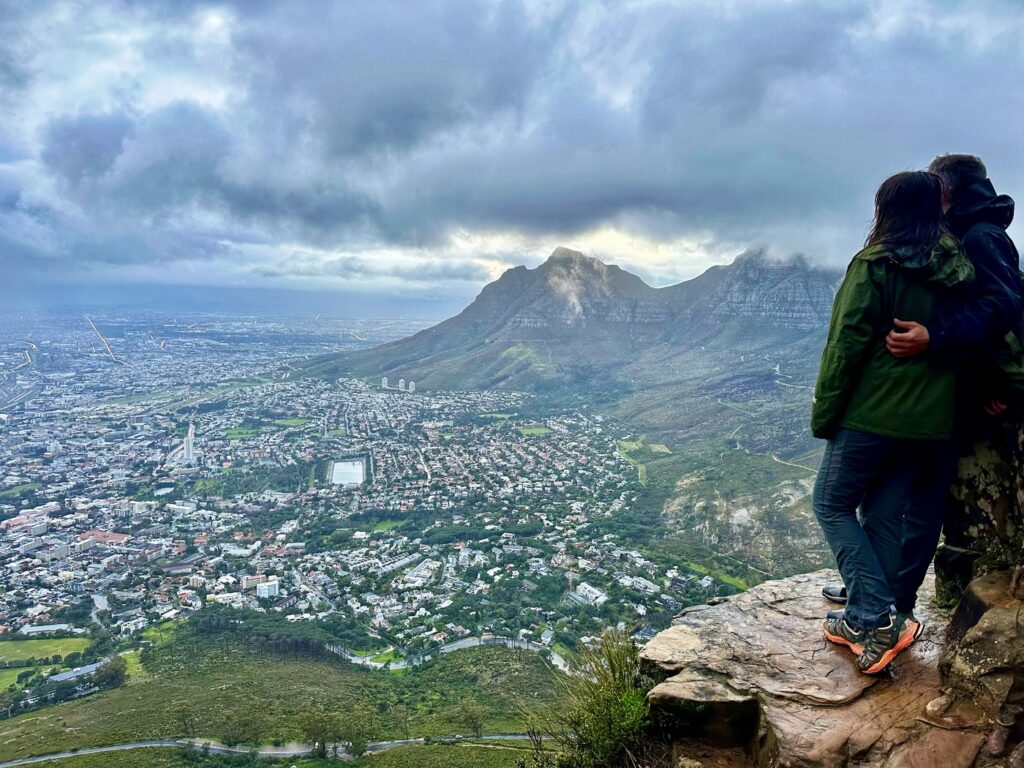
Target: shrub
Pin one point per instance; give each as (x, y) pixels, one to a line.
(604, 722)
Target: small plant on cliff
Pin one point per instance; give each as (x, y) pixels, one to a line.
(604, 722)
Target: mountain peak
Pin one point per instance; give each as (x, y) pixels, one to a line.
(561, 254)
(534, 327)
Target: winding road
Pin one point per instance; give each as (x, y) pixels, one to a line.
(558, 661)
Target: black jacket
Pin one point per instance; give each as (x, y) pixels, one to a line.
(996, 302)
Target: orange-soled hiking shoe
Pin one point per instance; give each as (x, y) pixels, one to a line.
(881, 646)
(837, 630)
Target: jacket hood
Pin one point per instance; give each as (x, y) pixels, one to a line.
(945, 264)
(978, 204)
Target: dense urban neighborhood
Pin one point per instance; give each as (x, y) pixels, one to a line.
(183, 467)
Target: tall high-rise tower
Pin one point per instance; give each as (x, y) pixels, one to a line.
(190, 441)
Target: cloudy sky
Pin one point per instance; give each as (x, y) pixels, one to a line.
(417, 149)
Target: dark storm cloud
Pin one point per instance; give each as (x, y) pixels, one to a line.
(236, 132)
(171, 161)
(84, 145)
(386, 76)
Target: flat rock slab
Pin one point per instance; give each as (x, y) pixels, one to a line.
(758, 666)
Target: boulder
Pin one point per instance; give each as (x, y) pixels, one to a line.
(984, 531)
(984, 657)
(756, 671)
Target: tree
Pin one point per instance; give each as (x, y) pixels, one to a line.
(471, 715)
(112, 674)
(231, 735)
(362, 724)
(320, 728)
(7, 701)
(401, 715)
(184, 715)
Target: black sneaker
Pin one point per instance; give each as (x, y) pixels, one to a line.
(837, 630)
(835, 593)
(881, 646)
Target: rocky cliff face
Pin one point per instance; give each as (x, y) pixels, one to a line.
(751, 682)
(569, 294)
(792, 295)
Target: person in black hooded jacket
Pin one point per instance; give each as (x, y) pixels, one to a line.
(978, 217)
(971, 336)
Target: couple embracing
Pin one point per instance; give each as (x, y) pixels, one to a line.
(923, 343)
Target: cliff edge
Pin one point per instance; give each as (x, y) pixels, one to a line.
(751, 682)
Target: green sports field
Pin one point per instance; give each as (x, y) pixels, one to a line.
(20, 650)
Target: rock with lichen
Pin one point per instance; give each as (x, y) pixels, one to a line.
(984, 530)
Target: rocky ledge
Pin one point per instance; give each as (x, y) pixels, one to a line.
(751, 682)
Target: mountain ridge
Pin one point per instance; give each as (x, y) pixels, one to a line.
(574, 317)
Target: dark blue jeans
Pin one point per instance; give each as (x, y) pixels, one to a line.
(901, 487)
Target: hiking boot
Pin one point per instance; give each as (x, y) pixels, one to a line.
(881, 646)
(835, 593)
(839, 631)
(909, 616)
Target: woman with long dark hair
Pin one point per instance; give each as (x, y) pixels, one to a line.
(888, 421)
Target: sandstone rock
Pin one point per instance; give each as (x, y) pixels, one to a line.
(985, 656)
(985, 530)
(757, 670)
(996, 742)
(938, 748)
(937, 707)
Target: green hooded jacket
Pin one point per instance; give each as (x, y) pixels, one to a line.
(860, 385)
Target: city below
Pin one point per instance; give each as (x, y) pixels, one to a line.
(155, 467)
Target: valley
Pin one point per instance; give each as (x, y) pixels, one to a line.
(258, 528)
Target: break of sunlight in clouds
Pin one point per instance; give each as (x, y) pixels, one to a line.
(422, 148)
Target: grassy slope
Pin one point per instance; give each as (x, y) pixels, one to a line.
(432, 756)
(272, 693)
(713, 471)
(137, 758)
